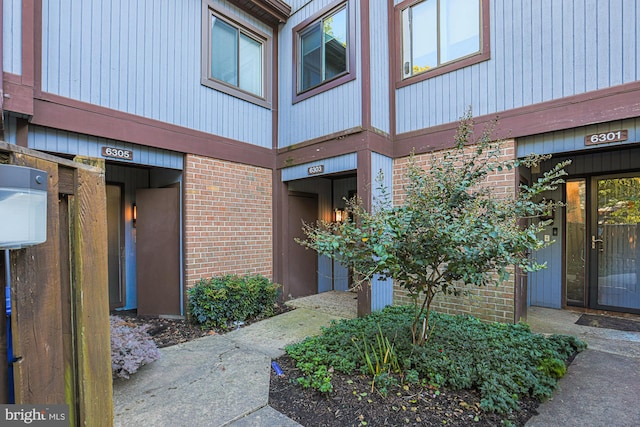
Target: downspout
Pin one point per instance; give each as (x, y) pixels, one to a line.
(1, 72)
(10, 359)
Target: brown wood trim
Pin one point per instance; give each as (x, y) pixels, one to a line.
(17, 97)
(330, 84)
(483, 55)
(364, 182)
(614, 103)
(337, 146)
(210, 8)
(391, 40)
(75, 116)
(22, 132)
(275, 75)
(365, 60)
(273, 10)
(279, 210)
(31, 41)
(336, 135)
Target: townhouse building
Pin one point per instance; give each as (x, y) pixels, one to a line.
(224, 123)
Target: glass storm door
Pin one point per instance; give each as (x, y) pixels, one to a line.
(614, 268)
(575, 255)
(602, 257)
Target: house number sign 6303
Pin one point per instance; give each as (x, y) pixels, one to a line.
(606, 137)
(314, 170)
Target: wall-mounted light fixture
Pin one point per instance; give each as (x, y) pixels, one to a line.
(134, 214)
(339, 215)
(23, 206)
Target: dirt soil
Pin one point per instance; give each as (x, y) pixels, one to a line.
(352, 403)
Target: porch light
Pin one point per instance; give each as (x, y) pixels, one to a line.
(339, 215)
(134, 214)
(23, 206)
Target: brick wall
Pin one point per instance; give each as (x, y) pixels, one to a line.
(228, 219)
(492, 303)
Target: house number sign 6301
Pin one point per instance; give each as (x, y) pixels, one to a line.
(606, 137)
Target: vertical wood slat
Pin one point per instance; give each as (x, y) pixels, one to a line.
(62, 325)
(91, 296)
(36, 318)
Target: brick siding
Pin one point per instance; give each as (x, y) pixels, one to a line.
(227, 219)
(491, 303)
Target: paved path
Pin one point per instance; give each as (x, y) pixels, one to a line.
(223, 380)
(602, 385)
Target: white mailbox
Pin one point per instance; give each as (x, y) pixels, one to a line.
(23, 206)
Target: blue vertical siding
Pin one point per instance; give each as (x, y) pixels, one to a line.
(341, 188)
(541, 50)
(346, 162)
(58, 141)
(144, 58)
(379, 61)
(12, 36)
(381, 290)
(573, 139)
(328, 112)
(545, 286)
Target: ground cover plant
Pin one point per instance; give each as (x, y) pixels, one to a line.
(502, 363)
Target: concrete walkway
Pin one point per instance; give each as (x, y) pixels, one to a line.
(602, 385)
(223, 380)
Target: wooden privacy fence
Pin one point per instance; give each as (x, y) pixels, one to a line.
(59, 289)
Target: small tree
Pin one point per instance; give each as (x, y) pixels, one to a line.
(451, 229)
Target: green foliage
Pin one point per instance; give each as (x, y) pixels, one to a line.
(503, 361)
(218, 302)
(380, 360)
(451, 230)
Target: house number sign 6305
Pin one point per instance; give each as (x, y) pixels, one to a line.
(606, 137)
(117, 153)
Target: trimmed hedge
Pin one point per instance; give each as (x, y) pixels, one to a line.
(219, 302)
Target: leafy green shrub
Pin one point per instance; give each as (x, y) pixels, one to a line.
(218, 302)
(503, 361)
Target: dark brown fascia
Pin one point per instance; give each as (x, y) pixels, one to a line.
(337, 144)
(75, 116)
(270, 11)
(614, 103)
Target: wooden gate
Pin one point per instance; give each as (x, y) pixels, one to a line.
(59, 290)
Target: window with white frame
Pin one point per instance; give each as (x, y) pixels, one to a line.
(235, 56)
(323, 51)
(436, 33)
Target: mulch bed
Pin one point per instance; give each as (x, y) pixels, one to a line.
(166, 332)
(352, 403)
(609, 322)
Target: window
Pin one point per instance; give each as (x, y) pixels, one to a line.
(235, 56)
(323, 52)
(442, 34)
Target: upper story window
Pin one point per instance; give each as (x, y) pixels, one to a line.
(439, 36)
(323, 51)
(235, 56)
